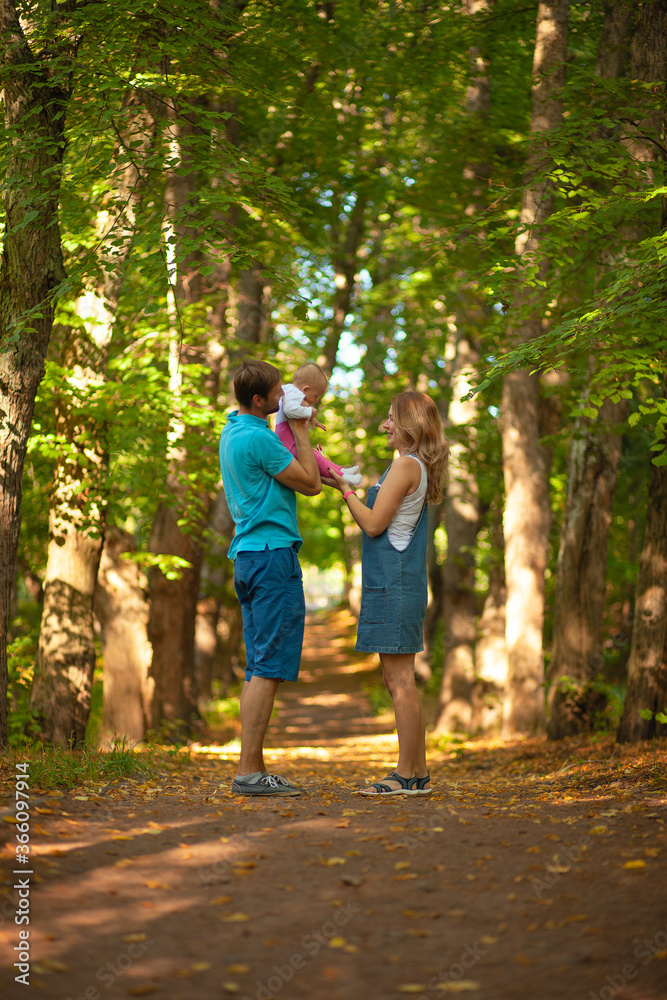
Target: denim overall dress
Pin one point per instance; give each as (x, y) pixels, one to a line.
(394, 589)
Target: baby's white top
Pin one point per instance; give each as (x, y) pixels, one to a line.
(290, 405)
(405, 519)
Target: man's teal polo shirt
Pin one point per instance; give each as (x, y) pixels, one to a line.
(263, 509)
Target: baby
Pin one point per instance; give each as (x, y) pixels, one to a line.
(300, 402)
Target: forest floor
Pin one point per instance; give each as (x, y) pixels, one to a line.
(532, 870)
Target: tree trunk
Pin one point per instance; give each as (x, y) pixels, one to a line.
(613, 46)
(216, 631)
(576, 658)
(462, 523)
(173, 599)
(455, 703)
(248, 310)
(527, 513)
(173, 611)
(491, 665)
(122, 611)
(34, 103)
(345, 260)
(647, 666)
(66, 657)
(423, 665)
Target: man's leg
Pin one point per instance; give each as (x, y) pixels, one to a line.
(269, 588)
(257, 699)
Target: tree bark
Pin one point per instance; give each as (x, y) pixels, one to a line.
(576, 658)
(34, 105)
(213, 652)
(527, 513)
(423, 665)
(173, 601)
(455, 702)
(122, 611)
(61, 689)
(647, 666)
(491, 666)
(345, 260)
(461, 523)
(613, 46)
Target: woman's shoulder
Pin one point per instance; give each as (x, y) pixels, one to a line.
(406, 468)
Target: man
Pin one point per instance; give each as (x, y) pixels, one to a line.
(260, 477)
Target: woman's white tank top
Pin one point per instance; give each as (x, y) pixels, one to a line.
(405, 519)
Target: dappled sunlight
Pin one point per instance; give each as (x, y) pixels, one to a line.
(526, 855)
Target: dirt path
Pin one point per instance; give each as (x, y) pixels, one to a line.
(531, 871)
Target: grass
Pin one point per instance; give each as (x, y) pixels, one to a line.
(55, 767)
(218, 711)
(379, 698)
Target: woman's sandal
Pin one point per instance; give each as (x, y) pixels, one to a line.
(406, 786)
(420, 790)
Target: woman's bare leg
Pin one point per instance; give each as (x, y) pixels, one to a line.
(398, 671)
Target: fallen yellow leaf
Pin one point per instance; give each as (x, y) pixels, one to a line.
(637, 863)
(53, 965)
(461, 986)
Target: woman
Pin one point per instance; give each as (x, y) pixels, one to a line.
(393, 562)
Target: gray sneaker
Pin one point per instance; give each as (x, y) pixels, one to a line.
(266, 784)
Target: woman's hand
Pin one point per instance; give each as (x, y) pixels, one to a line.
(334, 480)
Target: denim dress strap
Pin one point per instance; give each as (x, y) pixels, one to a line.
(394, 589)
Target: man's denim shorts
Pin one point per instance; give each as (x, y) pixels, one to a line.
(270, 588)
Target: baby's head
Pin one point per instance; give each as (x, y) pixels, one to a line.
(312, 381)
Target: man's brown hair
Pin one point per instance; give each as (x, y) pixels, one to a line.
(254, 378)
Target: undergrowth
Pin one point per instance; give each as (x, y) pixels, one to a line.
(57, 767)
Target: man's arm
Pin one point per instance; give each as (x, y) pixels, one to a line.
(302, 474)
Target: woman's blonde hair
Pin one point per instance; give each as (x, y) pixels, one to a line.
(418, 427)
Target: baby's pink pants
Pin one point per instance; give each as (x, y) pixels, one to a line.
(284, 432)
